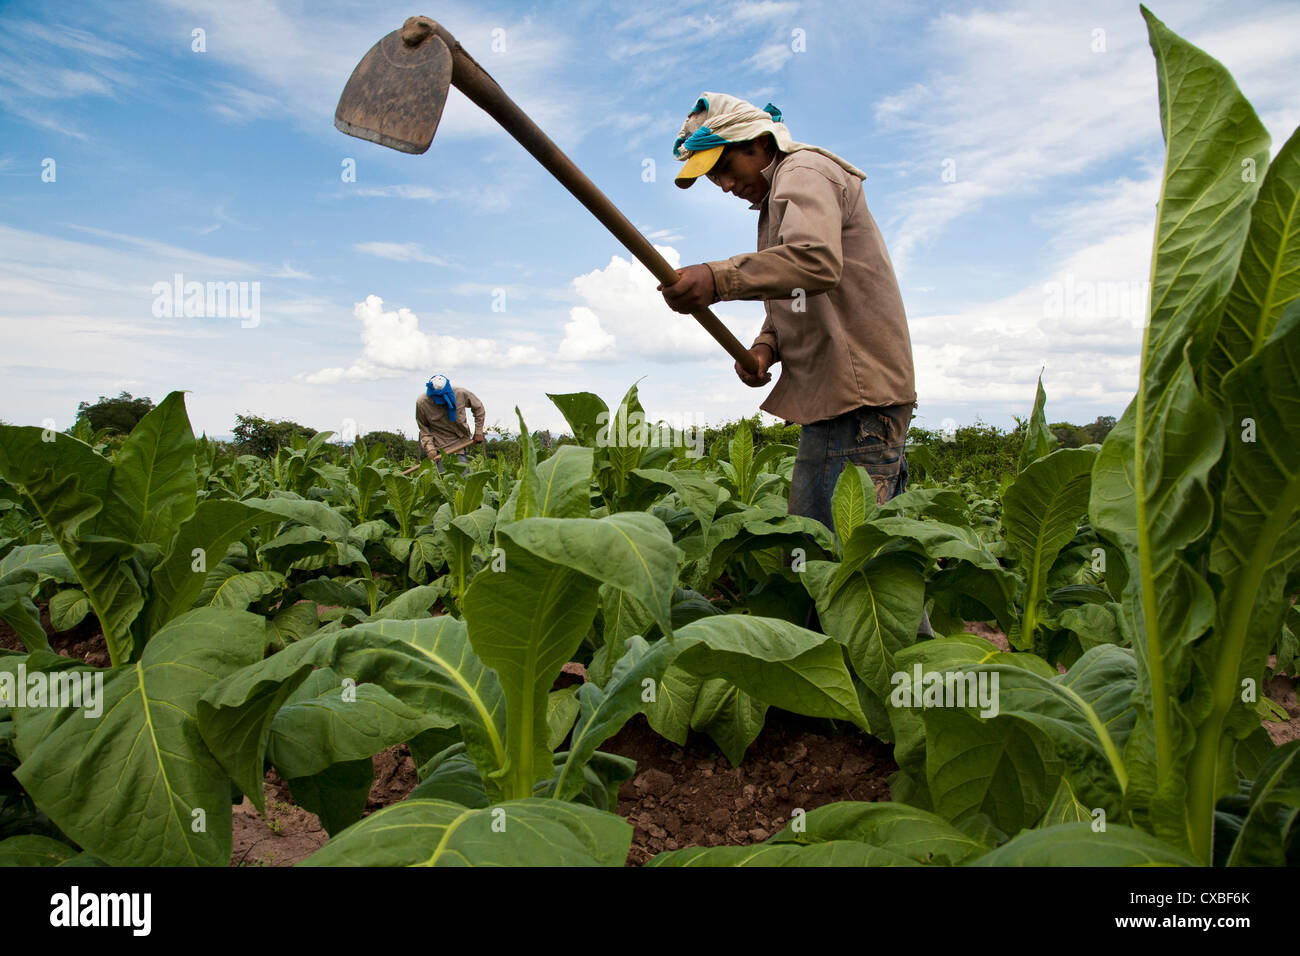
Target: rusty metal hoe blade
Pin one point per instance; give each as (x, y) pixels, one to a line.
(396, 94)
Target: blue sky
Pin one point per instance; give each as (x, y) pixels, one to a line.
(1012, 149)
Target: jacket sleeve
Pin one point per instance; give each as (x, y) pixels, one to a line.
(767, 336)
(480, 416)
(807, 253)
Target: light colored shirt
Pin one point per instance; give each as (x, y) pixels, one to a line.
(843, 343)
(439, 431)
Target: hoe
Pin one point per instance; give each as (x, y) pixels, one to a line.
(395, 98)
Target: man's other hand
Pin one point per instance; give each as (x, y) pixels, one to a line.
(763, 357)
(693, 290)
(478, 438)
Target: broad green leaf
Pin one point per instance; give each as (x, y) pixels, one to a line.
(964, 652)
(68, 485)
(623, 616)
(697, 491)
(671, 710)
(45, 560)
(586, 414)
(732, 718)
(1256, 547)
(401, 500)
(920, 836)
(774, 661)
(1268, 276)
(239, 589)
(526, 622)
(455, 779)
(564, 483)
(1041, 512)
(411, 605)
(1093, 624)
(561, 711)
(838, 853)
(1005, 769)
(18, 611)
(335, 592)
(1270, 835)
(1077, 844)
(529, 832)
(626, 438)
(1065, 808)
(337, 795)
(684, 701)
(631, 551)
(740, 452)
(1149, 488)
(327, 721)
(31, 849)
(1039, 440)
(524, 501)
(295, 623)
(68, 608)
(311, 514)
(874, 614)
(428, 665)
(125, 783)
(853, 500)
(154, 484)
(604, 710)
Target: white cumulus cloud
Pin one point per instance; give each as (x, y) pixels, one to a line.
(625, 315)
(394, 344)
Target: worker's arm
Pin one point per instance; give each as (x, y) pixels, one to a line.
(807, 254)
(480, 416)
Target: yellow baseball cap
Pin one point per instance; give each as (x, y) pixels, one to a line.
(696, 165)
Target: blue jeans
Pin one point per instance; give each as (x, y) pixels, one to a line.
(876, 439)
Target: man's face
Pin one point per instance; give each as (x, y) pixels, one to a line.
(739, 170)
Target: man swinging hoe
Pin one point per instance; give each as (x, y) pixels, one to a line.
(440, 415)
(835, 319)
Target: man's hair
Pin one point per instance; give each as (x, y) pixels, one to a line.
(770, 146)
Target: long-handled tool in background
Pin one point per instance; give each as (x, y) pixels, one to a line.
(449, 450)
(395, 98)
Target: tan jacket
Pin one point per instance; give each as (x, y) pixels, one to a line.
(437, 430)
(844, 343)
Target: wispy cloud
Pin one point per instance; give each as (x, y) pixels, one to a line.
(399, 252)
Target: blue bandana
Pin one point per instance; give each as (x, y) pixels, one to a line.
(444, 396)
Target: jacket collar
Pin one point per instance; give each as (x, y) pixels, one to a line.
(768, 172)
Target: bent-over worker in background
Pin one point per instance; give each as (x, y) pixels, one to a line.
(835, 319)
(440, 415)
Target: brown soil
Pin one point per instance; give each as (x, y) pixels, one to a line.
(289, 834)
(1283, 690)
(692, 796)
(85, 641)
(990, 634)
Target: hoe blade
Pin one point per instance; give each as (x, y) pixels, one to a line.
(396, 93)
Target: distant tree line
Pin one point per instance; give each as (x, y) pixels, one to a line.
(971, 452)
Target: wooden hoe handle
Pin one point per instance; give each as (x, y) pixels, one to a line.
(472, 80)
